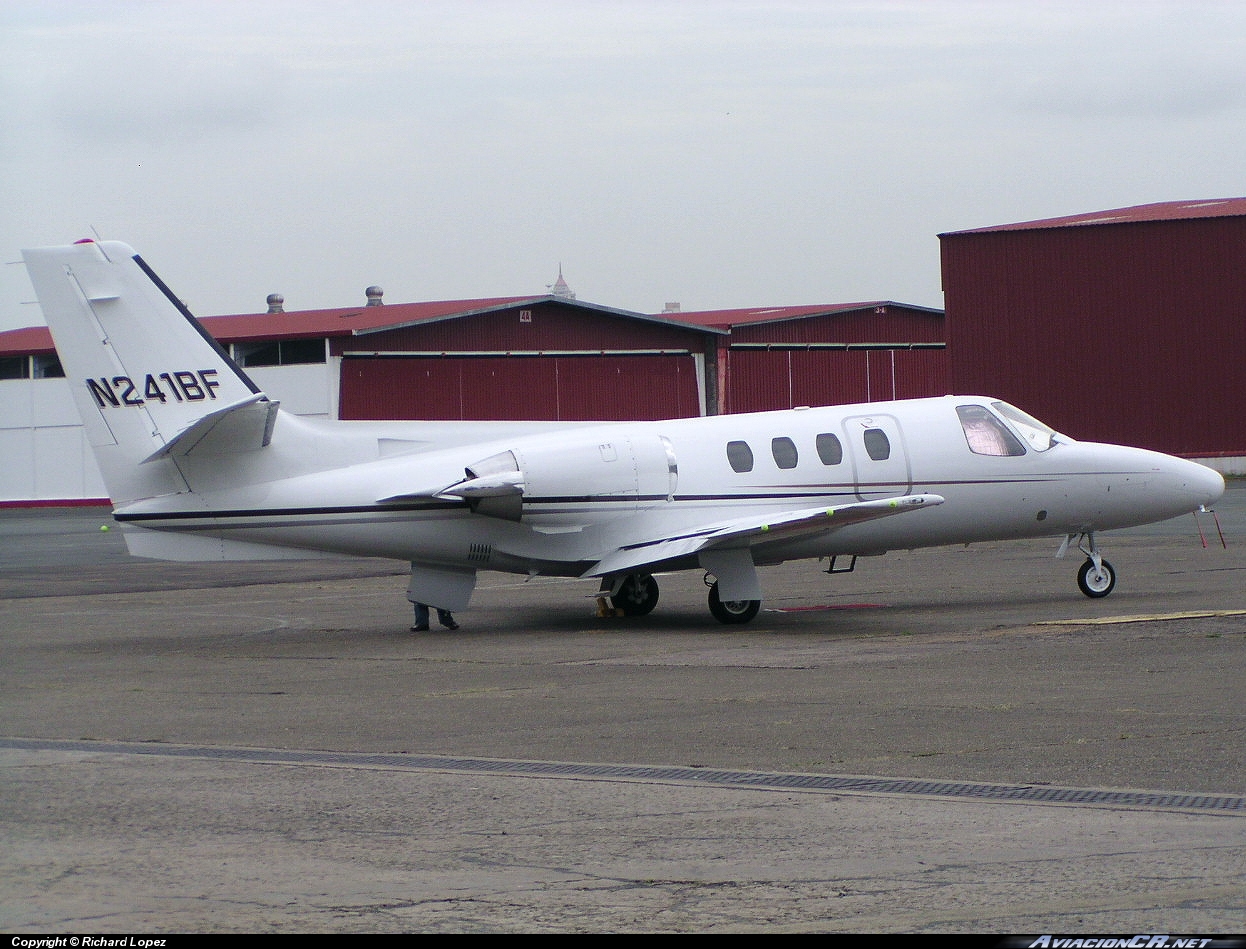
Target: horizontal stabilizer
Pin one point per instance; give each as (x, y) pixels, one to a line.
(247, 425)
(756, 529)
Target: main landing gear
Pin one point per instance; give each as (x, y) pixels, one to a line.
(731, 611)
(1096, 578)
(637, 595)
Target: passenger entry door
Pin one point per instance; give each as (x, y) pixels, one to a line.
(880, 462)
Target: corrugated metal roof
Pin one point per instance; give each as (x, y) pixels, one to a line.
(27, 341)
(430, 314)
(775, 314)
(1141, 213)
(346, 321)
(296, 324)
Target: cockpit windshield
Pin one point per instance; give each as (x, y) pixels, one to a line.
(1035, 434)
(986, 434)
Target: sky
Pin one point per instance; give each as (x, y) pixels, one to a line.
(719, 154)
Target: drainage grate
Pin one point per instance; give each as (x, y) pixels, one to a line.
(710, 777)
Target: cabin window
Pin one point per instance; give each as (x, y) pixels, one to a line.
(740, 456)
(829, 449)
(877, 445)
(986, 434)
(784, 451)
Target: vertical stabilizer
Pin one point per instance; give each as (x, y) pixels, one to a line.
(149, 381)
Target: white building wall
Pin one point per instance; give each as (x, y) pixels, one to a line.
(303, 390)
(44, 455)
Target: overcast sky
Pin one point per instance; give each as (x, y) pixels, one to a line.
(719, 154)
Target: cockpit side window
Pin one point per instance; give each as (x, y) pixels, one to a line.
(1035, 434)
(986, 434)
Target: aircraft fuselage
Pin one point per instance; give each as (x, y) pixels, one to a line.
(591, 488)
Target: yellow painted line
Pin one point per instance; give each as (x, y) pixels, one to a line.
(1139, 618)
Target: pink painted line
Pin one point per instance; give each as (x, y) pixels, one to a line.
(829, 606)
(64, 502)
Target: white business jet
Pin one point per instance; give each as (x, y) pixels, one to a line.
(202, 465)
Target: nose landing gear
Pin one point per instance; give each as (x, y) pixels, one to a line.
(1096, 578)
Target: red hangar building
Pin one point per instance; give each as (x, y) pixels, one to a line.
(1122, 326)
(546, 357)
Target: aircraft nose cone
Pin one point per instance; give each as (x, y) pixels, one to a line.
(1205, 483)
(1153, 486)
(1191, 483)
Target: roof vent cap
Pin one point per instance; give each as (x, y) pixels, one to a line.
(374, 295)
(276, 303)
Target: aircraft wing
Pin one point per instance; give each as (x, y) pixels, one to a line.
(755, 529)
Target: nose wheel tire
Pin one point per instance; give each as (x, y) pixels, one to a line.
(1098, 581)
(732, 611)
(637, 596)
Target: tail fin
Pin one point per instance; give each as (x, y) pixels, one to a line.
(151, 384)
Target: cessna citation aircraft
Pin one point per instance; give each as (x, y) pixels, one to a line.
(202, 465)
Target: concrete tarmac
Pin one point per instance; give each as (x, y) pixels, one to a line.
(267, 747)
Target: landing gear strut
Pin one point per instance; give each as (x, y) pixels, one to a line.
(1096, 578)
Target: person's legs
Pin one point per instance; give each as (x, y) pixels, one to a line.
(421, 618)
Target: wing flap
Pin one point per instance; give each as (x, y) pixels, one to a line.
(756, 529)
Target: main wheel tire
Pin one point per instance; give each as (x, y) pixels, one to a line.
(1096, 583)
(732, 611)
(637, 596)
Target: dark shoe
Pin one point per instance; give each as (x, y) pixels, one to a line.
(450, 625)
(419, 629)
